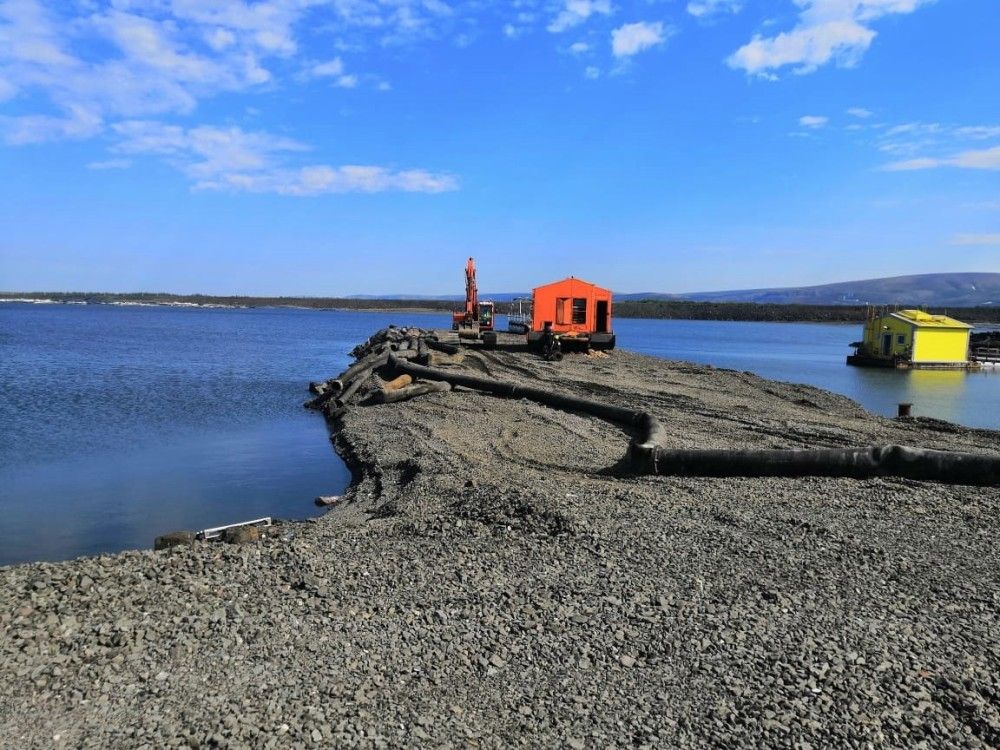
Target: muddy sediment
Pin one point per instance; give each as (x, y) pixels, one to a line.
(489, 581)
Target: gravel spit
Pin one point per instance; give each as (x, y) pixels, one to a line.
(487, 583)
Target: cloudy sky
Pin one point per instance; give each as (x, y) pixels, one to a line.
(368, 146)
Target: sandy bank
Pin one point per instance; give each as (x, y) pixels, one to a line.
(489, 584)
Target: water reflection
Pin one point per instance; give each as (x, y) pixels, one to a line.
(937, 392)
(814, 353)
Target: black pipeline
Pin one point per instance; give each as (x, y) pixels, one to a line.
(647, 453)
(889, 460)
(635, 420)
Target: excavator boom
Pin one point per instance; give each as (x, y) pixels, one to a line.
(471, 291)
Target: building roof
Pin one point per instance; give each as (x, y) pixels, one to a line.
(572, 280)
(921, 319)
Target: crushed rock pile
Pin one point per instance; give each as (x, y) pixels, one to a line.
(488, 582)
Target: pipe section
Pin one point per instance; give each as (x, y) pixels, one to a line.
(411, 391)
(860, 463)
(647, 453)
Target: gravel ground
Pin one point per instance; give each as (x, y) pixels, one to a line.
(488, 584)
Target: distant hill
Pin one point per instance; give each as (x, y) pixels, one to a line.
(928, 290)
(931, 290)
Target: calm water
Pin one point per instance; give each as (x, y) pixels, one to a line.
(814, 353)
(121, 423)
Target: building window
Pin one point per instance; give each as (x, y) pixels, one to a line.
(900, 339)
(579, 310)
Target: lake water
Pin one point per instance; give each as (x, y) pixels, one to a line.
(815, 353)
(121, 423)
(118, 424)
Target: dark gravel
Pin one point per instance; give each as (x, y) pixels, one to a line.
(486, 584)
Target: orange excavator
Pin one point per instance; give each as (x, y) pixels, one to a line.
(476, 320)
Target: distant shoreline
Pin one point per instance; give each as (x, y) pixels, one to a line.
(647, 309)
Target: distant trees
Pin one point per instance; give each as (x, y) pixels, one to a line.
(660, 309)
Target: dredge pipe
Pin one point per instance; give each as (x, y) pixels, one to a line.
(647, 453)
(411, 391)
(339, 383)
(441, 346)
(360, 375)
(860, 463)
(636, 420)
(359, 378)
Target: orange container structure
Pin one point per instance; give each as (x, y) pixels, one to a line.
(576, 309)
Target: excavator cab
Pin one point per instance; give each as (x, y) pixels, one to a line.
(486, 310)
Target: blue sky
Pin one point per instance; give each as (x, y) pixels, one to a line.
(326, 147)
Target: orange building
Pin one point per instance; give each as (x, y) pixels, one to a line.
(575, 309)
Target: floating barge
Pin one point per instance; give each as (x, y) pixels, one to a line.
(913, 339)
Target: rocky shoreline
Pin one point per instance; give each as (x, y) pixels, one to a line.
(488, 582)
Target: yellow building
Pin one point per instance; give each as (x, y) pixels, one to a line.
(913, 338)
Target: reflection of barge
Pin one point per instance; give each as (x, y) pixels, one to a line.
(519, 321)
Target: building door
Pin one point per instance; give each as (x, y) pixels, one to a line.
(886, 344)
(602, 316)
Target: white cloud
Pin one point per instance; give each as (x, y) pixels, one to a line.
(155, 45)
(575, 12)
(928, 145)
(592, 72)
(231, 159)
(988, 239)
(978, 132)
(909, 165)
(704, 8)
(988, 158)
(333, 68)
(29, 34)
(859, 112)
(813, 121)
(578, 48)
(79, 122)
(110, 164)
(220, 39)
(809, 47)
(633, 38)
(87, 68)
(141, 58)
(827, 30)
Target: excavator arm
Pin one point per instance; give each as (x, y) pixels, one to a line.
(471, 291)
